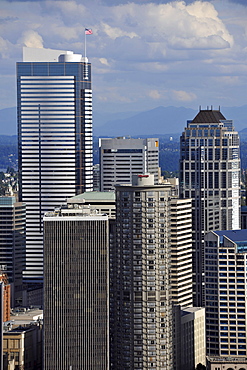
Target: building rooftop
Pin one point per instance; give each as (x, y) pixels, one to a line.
(188, 310)
(19, 329)
(227, 360)
(93, 196)
(235, 235)
(7, 201)
(208, 116)
(48, 55)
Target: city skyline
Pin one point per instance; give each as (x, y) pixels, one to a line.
(144, 54)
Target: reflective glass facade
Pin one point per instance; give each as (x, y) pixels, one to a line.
(55, 144)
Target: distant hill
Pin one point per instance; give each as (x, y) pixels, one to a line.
(158, 121)
(164, 120)
(155, 122)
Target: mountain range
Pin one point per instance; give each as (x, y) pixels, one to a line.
(155, 122)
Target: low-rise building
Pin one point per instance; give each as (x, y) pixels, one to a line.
(22, 347)
(226, 363)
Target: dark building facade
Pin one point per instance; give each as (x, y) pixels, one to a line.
(76, 291)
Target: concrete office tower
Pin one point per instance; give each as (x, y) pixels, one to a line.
(143, 312)
(121, 157)
(76, 284)
(54, 99)
(226, 302)
(210, 175)
(181, 251)
(12, 244)
(189, 337)
(193, 342)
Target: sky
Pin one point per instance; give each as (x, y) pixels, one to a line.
(144, 54)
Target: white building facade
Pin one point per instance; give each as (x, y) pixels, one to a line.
(122, 157)
(54, 99)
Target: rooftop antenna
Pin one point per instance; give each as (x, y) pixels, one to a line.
(200, 108)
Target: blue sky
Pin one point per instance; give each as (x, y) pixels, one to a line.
(144, 54)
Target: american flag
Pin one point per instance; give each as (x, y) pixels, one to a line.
(88, 31)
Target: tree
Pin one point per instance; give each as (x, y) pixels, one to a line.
(200, 367)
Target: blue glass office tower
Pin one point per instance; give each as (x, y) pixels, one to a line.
(54, 100)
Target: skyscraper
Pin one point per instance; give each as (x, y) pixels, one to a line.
(122, 157)
(12, 244)
(225, 270)
(143, 308)
(76, 290)
(54, 99)
(210, 175)
(181, 251)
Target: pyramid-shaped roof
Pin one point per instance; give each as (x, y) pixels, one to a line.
(208, 116)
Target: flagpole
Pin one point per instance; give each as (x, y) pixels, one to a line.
(85, 48)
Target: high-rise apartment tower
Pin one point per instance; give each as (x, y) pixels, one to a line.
(181, 252)
(210, 175)
(143, 307)
(54, 99)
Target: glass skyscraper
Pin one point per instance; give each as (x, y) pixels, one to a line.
(210, 175)
(54, 100)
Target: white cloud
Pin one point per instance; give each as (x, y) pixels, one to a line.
(31, 39)
(228, 80)
(67, 33)
(114, 32)
(183, 96)
(5, 46)
(104, 61)
(139, 48)
(175, 24)
(154, 94)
